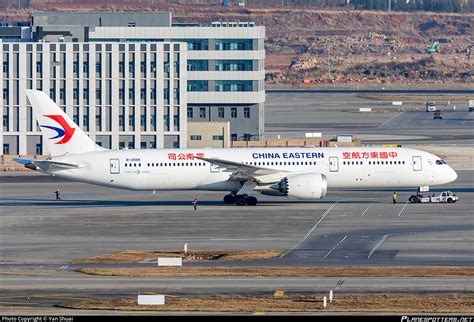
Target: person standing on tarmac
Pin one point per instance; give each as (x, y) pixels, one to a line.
(57, 194)
(394, 197)
(195, 202)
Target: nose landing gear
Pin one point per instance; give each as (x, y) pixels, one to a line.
(240, 200)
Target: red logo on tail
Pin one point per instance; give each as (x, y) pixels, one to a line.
(66, 132)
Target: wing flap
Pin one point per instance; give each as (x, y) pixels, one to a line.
(242, 171)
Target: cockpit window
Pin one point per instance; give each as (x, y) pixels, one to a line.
(440, 162)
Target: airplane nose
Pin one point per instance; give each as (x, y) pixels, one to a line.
(454, 175)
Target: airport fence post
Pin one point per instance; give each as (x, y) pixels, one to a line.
(325, 302)
(186, 248)
(330, 296)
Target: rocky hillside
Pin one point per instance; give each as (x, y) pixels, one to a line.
(310, 47)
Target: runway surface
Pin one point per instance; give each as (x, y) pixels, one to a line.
(294, 114)
(348, 227)
(39, 237)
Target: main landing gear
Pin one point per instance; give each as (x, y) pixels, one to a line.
(240, 200)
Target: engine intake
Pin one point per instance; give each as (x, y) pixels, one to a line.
(303, 186)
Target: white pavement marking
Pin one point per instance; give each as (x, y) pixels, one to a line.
(367, 209)
(400, 213)
(378, 245)
(311, 230)
(327, 254)
(386, 121)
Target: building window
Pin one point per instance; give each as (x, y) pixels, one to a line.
(6, 123)
(6, 148)
(220, 112)
(233, 137)
(233, 112)
(5, 96)
(190, 112)
(247, 112)
(198, 86)
(202, 112)
(196, 137)
(197, 65)
(218, 138)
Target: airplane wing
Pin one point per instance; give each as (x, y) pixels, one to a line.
(45, 165)
(242, 171)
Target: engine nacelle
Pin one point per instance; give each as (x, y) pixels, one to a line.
(303, 186)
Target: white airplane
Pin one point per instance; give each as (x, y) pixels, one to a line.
(299, 173)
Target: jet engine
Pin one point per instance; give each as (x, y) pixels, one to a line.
(303, 186)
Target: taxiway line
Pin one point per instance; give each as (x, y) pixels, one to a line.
(311, 230)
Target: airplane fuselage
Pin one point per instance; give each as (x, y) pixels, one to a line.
(182, 169)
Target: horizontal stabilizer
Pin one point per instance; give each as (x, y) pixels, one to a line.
(45, 165)
(22, 161)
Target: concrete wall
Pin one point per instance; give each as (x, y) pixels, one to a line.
(208, 135)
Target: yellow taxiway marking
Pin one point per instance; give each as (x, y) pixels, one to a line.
(259, 313)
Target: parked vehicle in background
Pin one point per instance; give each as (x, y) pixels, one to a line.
(471, 105)
(430, 106)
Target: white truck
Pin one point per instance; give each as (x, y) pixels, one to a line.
(430, 106)
(445, 196)
(471, 105)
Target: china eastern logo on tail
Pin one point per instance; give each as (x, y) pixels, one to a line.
(65, 131)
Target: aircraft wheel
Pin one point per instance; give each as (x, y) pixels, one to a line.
(413, 199)
(240, 200)
(251, 201)
(229, 199)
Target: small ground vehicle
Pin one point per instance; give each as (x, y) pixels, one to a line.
(430, 106)
(445, 196)
(471, 105)
(437, 115)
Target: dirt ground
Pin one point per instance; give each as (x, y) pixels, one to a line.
(355, 303)
(402, 97)
(311, 47)
(255, 271)
(136, 256)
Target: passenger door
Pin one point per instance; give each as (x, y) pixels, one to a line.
(333, 164)
(114, 166)
(214, 167)
(417, 163)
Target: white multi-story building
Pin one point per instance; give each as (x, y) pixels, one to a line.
(122, 95)
(133, 80)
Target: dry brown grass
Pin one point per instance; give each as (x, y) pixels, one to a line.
(349, 303)
(404, 97)
(233, 271)
(136, 256)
